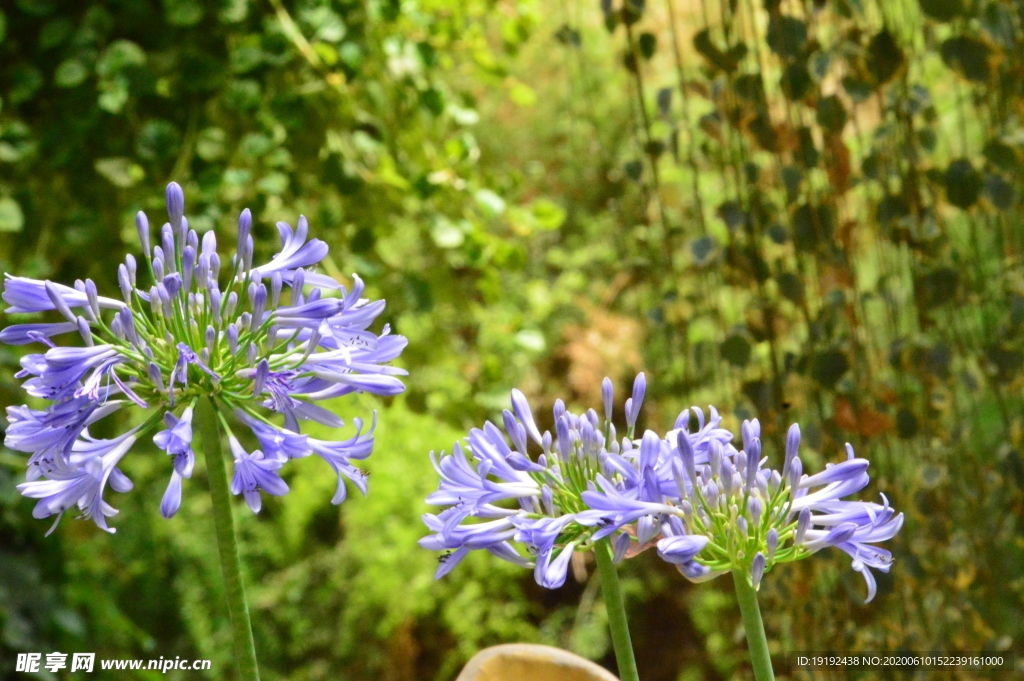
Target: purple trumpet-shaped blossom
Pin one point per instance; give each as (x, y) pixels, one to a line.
(724, 512)
(277, 337)
(525, 495)
(80, 481)
(255, 473)
(339, 455)
(177, 442)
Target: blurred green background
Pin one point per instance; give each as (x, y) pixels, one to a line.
(803, 210)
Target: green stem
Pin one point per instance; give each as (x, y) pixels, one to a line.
(223, 519)
(616, 611)
(756, 640)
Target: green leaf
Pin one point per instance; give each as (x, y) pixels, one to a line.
(273, 184)
(37, 8)
(795, 82)
(791, 286)
(732, 214)
(25, 82)
(113, 95)
(255, 145)
(654, 149)
(999, 24)
(967, 56)
(119, 56)
(233, 11)
(1001, 155)
(719, 59)
(792, 180)
(893, 208)
(648, 43)
(531, 339)
(567, 35)
(759, 393)
(735, 350)
(812, 226)
(432, 100)
(120, 171)
(937, 287)
(158, 140)
(492, 203)
(703, 250)
(11, 217)
(632, 11)
(54, 33)
(884, 57)
(1005, 363)
(447, 234)
(243, 94)
(820, 63)
(941, 10)
(999, 192)
(927, 138)
(807, 152)
(906, 423)
(828, 367)
(787, 36)
(70, 73)
(963, 183)
(210, 144)
(750, 86)
(548, 214)
(664, 101)
(522, 94)
(246, 54)
(183, 12)
(831, 114)
(858, 89)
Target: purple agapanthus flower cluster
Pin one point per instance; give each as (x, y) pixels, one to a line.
(277, 336)
(536, 498)
(708, 507)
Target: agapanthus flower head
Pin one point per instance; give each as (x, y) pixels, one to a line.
(708, 507)
(272, 338)
(727, 512)
(528, 489)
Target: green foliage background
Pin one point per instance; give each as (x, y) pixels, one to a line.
(803, 210)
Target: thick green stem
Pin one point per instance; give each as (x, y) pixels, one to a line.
(224, 521)
(756, 640)
(616, 611)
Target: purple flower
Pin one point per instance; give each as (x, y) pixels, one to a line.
(23, 334)
(721, 511)
(177, 442)
(500, 496)
(341, 454)
(30, 295)
(80, 481)
(296, 253)
(709, 507)
(196, 329)
(277, 443)
(255, 473)
(682, 548)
